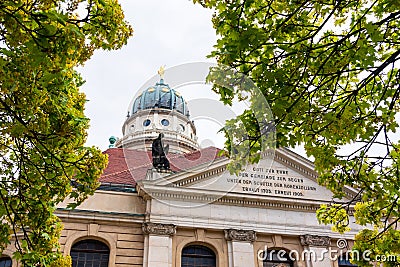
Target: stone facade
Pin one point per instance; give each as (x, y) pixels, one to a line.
(152, 224)
(148, 218)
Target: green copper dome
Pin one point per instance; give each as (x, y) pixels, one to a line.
(160, 96)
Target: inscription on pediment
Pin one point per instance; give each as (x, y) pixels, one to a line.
(268, 179)
(272, 181)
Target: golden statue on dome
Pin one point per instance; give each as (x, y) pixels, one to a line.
(161, 72)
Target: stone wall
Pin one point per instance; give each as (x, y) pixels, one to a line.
(125, 240)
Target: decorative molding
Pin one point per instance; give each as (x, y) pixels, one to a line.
(240, 235)
(294, 165)
(195, 178)
(83, 215)
(276, 203)
(93, 229)
(237, 201)
(158, 229)
(277, 241)
(200, 235)
(315, 240)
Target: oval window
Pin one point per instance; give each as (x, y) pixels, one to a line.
(146, 122)
(165, 122)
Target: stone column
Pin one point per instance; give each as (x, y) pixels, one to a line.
(240, 247)
(317, 250)
(158, 244)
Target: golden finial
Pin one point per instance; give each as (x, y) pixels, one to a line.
(161, 72)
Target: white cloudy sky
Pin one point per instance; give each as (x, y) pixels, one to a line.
(167, 33)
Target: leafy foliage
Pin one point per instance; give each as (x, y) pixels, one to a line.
(328, 70)
(252, 133)
(43, 159)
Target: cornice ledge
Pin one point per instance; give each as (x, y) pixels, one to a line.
(240, 235)
(199, 176)
(158, 229)
(296, 165)
(315, 240)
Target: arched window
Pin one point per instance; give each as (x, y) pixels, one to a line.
(165, 98)
(198, 256)
(277, 258)
(136, 105)
(179, 104)
(5, 262)
(150, 98)
(344, 261)
(90, 253)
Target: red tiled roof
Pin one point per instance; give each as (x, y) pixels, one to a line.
(126, 166)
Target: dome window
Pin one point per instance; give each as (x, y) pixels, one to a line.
(179, 104)
(150, 98)
(181, 128)
(146, 122)
(165, 100)
(165, 122)
(136, 105)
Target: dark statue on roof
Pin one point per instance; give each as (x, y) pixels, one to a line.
(159, 152)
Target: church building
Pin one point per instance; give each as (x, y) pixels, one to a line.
(166, 202)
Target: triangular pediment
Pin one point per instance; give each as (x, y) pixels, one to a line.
(267, 178)
(281, 175)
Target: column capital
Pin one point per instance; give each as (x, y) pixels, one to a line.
(240, 235)
(315, 240)
(158, 229)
